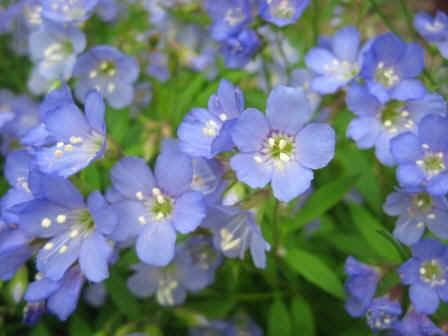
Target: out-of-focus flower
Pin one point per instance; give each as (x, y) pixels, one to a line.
(237, 50)
(434, 29)
(109, 71)
(282, 12)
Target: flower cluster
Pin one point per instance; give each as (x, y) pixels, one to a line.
(232, 20)
(406, 124)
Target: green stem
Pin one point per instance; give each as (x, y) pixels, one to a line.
(383, 17)
(275, 229)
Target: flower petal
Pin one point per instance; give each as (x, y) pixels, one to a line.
(155, 245)
(315, 145)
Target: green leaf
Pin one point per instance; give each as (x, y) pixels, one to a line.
(302, 319)
(78, 326)
(279, 322)
(312, 268)
(369, 227)
(322, 200)
(122, 298)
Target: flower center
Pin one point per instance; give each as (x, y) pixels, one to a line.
(432, 163)
(162, 205)
(234, 16)
(283, 10)
(57, 52)
(394, 117)
(105, 68)
(211, 128)
(280, 147)
(432, 273)
(379, 320)
(386, 76)
(342, 70)
(422, 201)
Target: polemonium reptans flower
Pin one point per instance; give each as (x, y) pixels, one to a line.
(75, 230)
(58, 297)
(109, 71)
(190, 270)
(376, 123)
(68, 140)
(383, 314)
(416, 324)
(422, 159)
(279, 147)
(68, 11)
(54, 49)
(154, 206)
(282, 12)
(235, 231)
(237, 50)
(360, 286)
(206, 132)
(417, 210)
(426, 274)
(335, 63)
(15, 250)
(17, 170)
(390, 67)
(434, 29)
(229, 17)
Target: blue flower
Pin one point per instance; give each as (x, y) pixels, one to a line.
(360, 286)
(434, 29)
(239, 325)
(192, 269)
(110, 72)
(383, 314)
(390, 67)
(19, 115)
(58, 297)
(206, 132)
(416, 324)
(15, 250)
(416, 210)
(74, 231)
(282, 12)
(67, 140)
(17, 170)
(158, 66)
(54, 48)
(377, 123)
(422, 159)
(238, 49)
(229, 17)
(235, 231)
(154, 206)
(279, 147)
(63, 11)
(337, 62)
(426, 274)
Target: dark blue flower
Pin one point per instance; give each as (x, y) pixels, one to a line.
(390, 67)
(68, 140)
(360, 286)
(207, 132)
(335, 63)
(54, 48)
(279, 147)
(434, 29)
(75, 231)
(154, 207)
(416, 210)
(383, 314)
(377, 123)
(109, 71)
(63, 11)
(426, 274)
(422, 158)
(238, 49)
(235, 231)
(229, 17)
(416, 324)
(58, 297)
(282, 12)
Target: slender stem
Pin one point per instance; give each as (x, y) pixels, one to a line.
(275, 229)
(383, 17)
